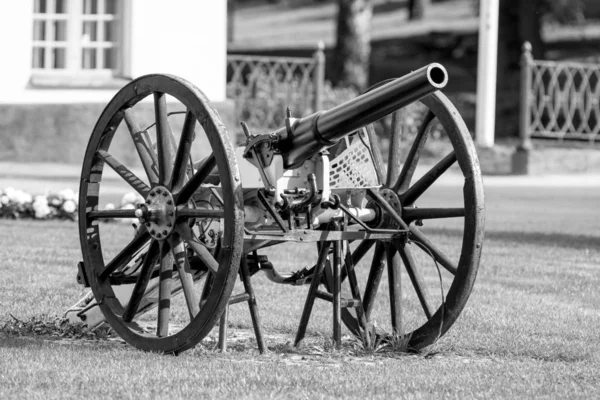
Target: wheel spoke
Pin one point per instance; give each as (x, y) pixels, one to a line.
(355, 290)
(412, 159)
(143, 145)
(197, 179)
(124, 255)
(200, 213)
(425, 182)
(361, 250)
(394, 266)
(198, 248)
(136, 183)
(433, 250)
(411, 214)
(183, 151)
(164, 289)
(393, 170)
(377, 266)
(163, 139)
(142, 283)
(107, 214)
(185, 275)
(376, 154)
(208, 286)
(416, 278)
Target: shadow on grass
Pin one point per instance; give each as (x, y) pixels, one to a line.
(17, 342)
(560, 355)
(39, 341)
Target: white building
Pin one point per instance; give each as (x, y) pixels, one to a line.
(62, 60)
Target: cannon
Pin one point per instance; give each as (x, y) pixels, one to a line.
(360, 205)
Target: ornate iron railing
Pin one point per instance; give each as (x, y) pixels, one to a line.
(263, 87)
(559, 100)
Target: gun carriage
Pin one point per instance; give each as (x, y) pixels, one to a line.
(209, 211)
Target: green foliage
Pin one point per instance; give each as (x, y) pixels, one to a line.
(564, 11)
(263, 102)
(561, 11)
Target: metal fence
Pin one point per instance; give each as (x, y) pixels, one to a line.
(559, 100)
(264, 87)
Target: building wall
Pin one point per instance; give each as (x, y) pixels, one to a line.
(187, 38)
(60, 132)
(180, 37)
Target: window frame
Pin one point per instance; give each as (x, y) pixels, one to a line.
(74, 75)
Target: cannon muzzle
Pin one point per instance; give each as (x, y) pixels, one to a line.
(321, 130)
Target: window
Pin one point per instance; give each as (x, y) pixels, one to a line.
(76, 42)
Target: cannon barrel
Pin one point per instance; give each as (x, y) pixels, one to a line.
(321, 130)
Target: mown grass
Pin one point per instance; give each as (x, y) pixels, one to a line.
(529, 329)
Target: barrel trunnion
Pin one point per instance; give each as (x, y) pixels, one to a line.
(321, 178)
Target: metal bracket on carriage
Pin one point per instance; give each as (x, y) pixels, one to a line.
(259, 147)
(258, 263)
(298, 199)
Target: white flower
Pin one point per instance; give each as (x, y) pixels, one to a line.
(109, 207)
(67, 194)
(4, 199)
(131, 198)
(24, 198)
(69, 206)
(10, 194)
(40, 199)
(18, 196)
(40, 207)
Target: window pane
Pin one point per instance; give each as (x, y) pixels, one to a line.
(110, 61)
(110, 7)
(59, 58)
(61, 6)
(89, 31)
(109, 31)
(60, 31)
(90, 6)
(88, 60)
(39, 6)
(38, 57)
(39, 30)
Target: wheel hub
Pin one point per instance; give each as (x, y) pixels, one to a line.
(158, 213)
(394, 201)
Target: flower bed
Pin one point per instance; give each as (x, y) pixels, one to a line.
(17, 204)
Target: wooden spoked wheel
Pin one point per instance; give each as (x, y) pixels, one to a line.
(446, 221)
(188, 220)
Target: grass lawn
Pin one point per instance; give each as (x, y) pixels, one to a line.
(529, 329)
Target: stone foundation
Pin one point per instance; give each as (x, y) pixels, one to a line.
(58, 133)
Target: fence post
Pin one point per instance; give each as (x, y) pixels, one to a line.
(319, 77)
(525, 103)
(520, 159)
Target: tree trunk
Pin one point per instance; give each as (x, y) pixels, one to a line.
(353, 47)
(519, 22)
(417, 9)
